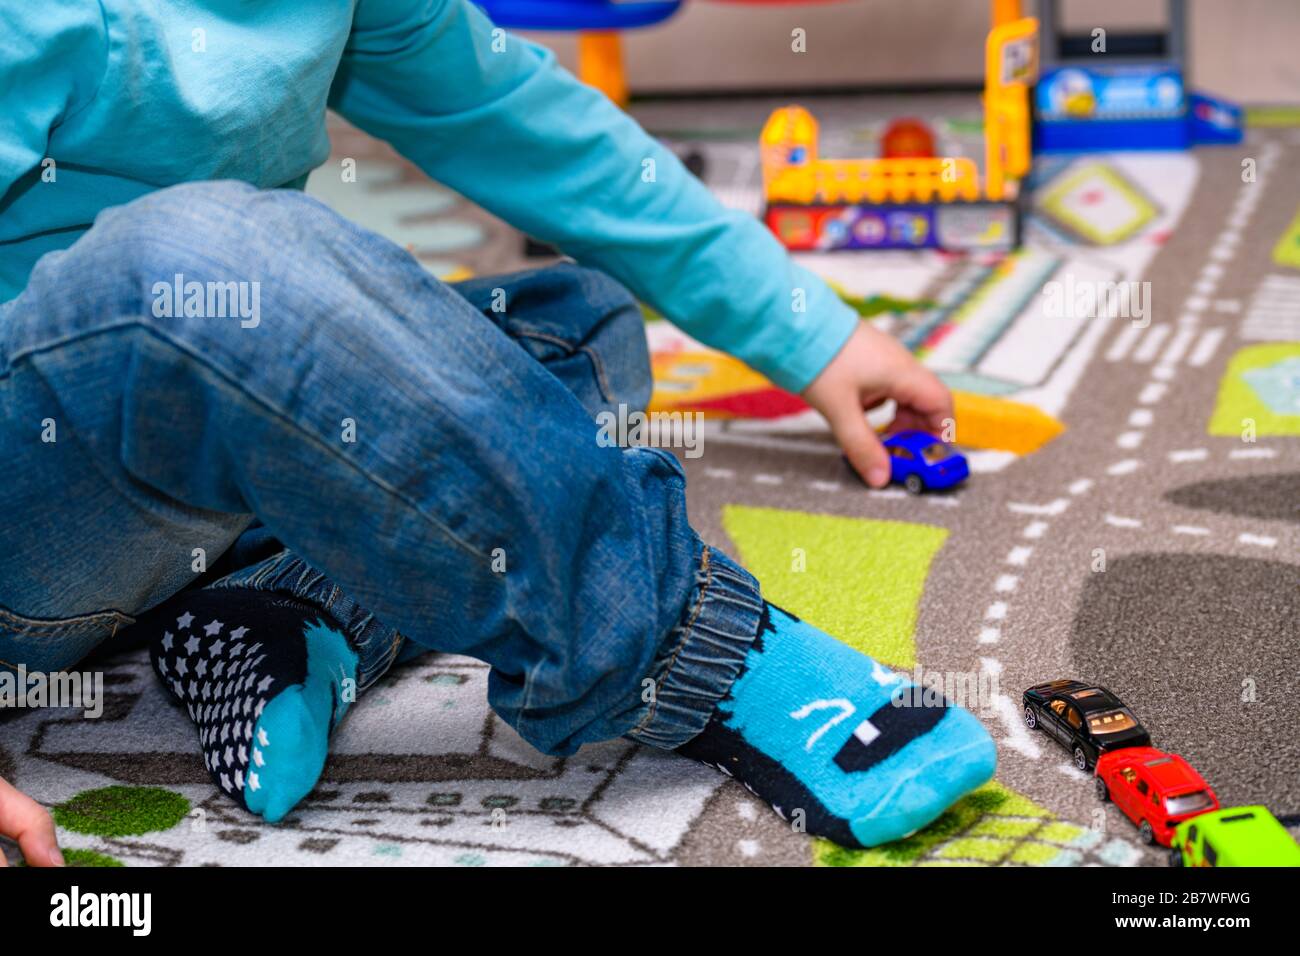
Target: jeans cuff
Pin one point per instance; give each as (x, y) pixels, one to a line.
(377, 645)
(703, 655)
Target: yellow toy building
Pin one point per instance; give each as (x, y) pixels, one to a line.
(913, 202)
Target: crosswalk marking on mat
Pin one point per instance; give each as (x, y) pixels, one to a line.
(1274, 311)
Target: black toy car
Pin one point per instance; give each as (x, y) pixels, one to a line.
(1087, 720)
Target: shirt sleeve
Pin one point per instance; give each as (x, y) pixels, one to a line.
(494, 117)
(52, 59)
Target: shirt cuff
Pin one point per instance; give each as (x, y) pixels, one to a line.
(812, 342)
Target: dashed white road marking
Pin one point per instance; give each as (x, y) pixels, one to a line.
(1035, 529)
(1141, 417)
(989, 635)
(1253, 453)
(1206, 347)
(762, 479)
(1052, 508)
(1006, 583)
(997, 611)
(1118, 521)
(830, 486)
(1191, 529)
(1164, 373)
(1130, 439)
(991, 665)
(1019, 555)
(1151, 343)
(1227, 305)
(719, 473)
(1189, 454)
(1125, 467)
(1018, 736)
(749, 848)
(1152, 392)
(1123, 342)
(1263, 540)
(1080, 486)
(888, 493)
(746, 811)
(942, 502)
(1178, 347)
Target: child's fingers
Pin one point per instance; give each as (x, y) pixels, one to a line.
(26, 821)
(925, 400)
(859, 443)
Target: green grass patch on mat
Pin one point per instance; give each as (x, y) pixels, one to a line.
(75, 857)
(89, 858)
(122, 811)
(870, 306)
(1261, 383)
(1273, 115)
(992, 825)
(1287, 250)
(858, 579)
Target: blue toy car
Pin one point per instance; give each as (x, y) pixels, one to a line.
(922, 462)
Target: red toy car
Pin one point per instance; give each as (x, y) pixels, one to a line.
(1156, 790)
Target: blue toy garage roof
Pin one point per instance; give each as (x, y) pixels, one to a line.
(577, 14)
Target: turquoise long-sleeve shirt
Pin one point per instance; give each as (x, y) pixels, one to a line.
(102, 101)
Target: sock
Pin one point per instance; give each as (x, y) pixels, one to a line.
(811, 725)
(265, 680)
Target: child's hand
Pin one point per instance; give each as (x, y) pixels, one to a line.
(24, 820)
(872, 368)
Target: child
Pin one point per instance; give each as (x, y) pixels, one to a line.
(221, 366)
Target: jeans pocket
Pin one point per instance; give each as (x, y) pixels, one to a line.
(54, 644)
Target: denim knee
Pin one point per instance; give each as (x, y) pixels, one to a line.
(211, 230)
(229, 251)
(619, 340)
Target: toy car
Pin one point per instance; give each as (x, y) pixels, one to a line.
(1156, 790)
(1085, 719)
(1233, 836)
(919, 461)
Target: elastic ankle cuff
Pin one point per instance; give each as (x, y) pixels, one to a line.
(703, 655)
(375, 643)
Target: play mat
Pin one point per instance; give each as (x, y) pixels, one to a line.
(1132, 519)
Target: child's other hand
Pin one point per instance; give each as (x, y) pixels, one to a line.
(24, 820)
(872, 368)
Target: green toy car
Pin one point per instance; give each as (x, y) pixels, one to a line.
(1233, 836)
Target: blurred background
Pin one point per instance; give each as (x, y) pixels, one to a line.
(1242, 49)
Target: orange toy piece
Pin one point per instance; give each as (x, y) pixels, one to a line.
(907, 138)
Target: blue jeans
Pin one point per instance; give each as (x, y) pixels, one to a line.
(429, 461)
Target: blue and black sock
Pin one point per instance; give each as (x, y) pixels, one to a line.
(827, 737)
(265, 679)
